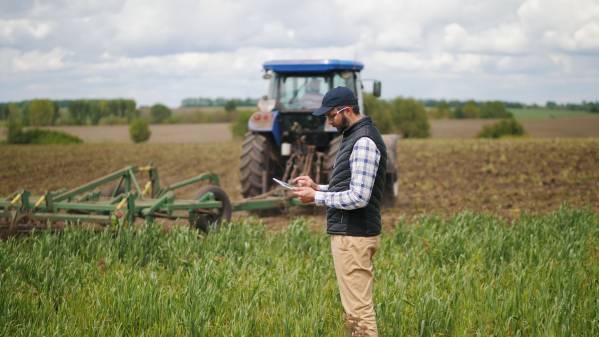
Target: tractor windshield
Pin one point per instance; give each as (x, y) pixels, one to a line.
(305, 93)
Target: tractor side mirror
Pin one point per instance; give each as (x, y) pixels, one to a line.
(376, 88)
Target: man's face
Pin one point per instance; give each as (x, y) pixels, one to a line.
(337, 118)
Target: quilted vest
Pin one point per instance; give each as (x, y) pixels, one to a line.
(365, 221)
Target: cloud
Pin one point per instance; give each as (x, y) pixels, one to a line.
(12, 31)
(159, 50)
(561, 25)
(587, 37)
(14, 61)
(505, 39)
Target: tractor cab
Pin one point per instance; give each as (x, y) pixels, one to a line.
(301, 85)
(295, 89)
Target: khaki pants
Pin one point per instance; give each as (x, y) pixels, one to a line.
(352, 256)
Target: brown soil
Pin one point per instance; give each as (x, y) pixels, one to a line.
(161, 133)
(505, 177)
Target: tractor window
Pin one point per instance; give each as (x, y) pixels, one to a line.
(345, 79)
(302, 93)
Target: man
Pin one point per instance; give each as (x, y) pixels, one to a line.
(353, 198)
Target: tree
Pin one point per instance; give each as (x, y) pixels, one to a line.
(443, 110)
(41, 112)
(14, 124)
(3, 111)
(471, 110)
(239, 127)
(78, 111)
(409, 118)
(494, 109)
(231, 105)
(94, 112)
(505, 127)
(139, 130)
(159, 113)
(380, 112)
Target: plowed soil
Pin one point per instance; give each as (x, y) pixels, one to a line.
(505, 177)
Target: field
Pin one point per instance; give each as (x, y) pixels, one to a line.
(161, 133)
(567, 126)
(479, 243)
(523, 113)
(436, 176)
(471, 275)
(563, 127)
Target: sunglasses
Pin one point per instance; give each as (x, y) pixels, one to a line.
(331, 117)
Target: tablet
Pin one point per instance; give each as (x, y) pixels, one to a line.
(282, 183)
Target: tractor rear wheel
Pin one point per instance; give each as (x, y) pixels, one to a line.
(259, 163)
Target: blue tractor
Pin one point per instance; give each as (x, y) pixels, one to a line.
(285, 140)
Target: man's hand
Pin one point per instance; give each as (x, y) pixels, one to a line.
(305, 181)
(305, 194)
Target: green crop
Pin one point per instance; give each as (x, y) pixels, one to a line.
(470, 275)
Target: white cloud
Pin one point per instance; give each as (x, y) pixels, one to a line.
(506, 38)
(13, 30)
(565, 25)
(15, 61)
(165, 50)
(587, 37)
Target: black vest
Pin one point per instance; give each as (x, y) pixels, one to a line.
(365, 221)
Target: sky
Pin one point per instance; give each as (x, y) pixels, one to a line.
(154, 51)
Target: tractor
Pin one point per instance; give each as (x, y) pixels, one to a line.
(285, 140)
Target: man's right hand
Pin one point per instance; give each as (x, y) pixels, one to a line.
(305, 181)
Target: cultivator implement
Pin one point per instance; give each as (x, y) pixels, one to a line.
(120, 198)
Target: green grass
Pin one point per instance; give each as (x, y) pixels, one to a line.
(547, 113)
(472, 275)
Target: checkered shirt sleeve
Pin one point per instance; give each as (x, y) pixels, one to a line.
(364, 163)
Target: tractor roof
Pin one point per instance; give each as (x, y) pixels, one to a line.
(311, 66)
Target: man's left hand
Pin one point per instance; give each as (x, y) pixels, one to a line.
(305, 194)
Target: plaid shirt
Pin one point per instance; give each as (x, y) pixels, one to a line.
(363, 162)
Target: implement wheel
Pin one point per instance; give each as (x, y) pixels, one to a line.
(210, 219)
(259, 163)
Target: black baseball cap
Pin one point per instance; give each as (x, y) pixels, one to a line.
(340, 96)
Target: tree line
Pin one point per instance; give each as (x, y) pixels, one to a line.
(470, 109)
(218, 102)
(495, 109)
(44, 112)
(584, 106)
(409, 117)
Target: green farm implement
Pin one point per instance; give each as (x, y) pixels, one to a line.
(119, 198)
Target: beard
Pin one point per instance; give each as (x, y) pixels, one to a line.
(343, 125)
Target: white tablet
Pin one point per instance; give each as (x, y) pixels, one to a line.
(282, 183)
